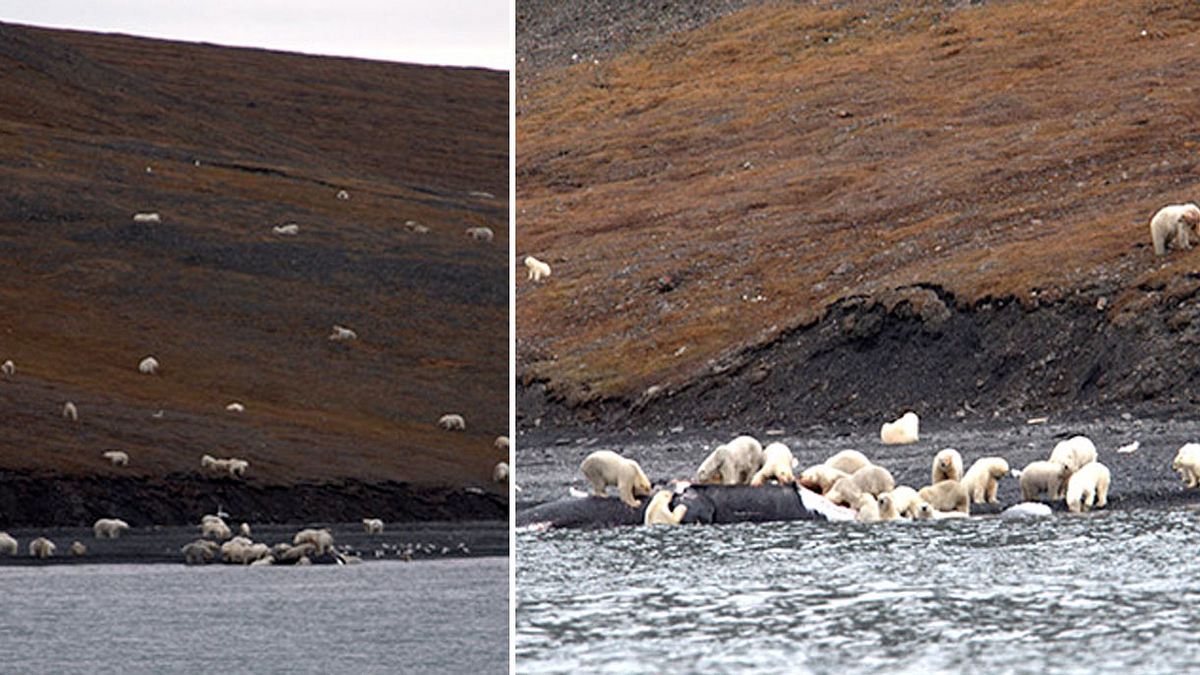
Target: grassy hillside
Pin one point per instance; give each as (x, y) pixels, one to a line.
(225, 143)
(709, 190)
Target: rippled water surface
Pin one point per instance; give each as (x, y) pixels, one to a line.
(1106, 592)
(442, 616)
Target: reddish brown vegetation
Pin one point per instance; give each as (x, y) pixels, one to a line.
(232, 311)
(780, 159)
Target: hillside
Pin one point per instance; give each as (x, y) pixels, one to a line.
(225, 143)
(792, 212)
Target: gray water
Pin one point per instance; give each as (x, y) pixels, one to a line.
(440, 616)
(1103, 592)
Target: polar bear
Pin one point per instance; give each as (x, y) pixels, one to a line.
(947, 495)
(734, 463)
(605, 467)
(905, 499)
(42, 548)
(659, 511)
(538, 270)
(1187, 463)
(452, 422)
(1173, 222)
(947, 465)
(1074, 452)
(372, 525)
(116, 457)
(109, 528)
(871, 479)
(1087, 487)
(821, 477)
(777, 464)
(983, 478)
(867, 509)
(77, 549)
(903, 431)
(887, 507)
(848, 461)
(921, 510)
(8, 545)
(1041, 476)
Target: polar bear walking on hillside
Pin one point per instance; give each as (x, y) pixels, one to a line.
(1172, 223)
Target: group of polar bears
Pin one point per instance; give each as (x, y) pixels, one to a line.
(849, 478)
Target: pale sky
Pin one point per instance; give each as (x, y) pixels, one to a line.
(438, 32)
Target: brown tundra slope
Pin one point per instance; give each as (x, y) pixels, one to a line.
(224, 144)
(800, 212)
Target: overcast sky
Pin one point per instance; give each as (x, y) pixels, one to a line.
(442, 32)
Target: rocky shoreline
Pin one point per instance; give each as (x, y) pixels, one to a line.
(31, 499)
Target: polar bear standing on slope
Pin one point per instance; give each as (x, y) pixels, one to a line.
(605, 467)
(777, 464)
(734, 463)
(983, 478)
(659, 511)
(1087, 487)
(1173, 223)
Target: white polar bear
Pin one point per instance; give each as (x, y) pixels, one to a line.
(871, 479)
(734, 463)
(1173, 222)
(848, 461)
(867, 509)
(821, 477)
(321, 539)
(538, 270)
(946, 495)
(42, 548)
(1087, 487)
(500, 472)
(109, 528)
(905, 499)
(148, 366)
(372, 525)
(659, 511)
(452, 422)
(77, 549)
(1187, 463)
(8, 545)
(887, 507)
(1074, 452)
(777, 464)
(1041, 476)
(902, 431)
(947, 465)
(116, 457)
(605, 467)
(983, 479)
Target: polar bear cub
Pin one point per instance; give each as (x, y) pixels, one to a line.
(1074, 452)
(947, 465)
(605, 467)
(734, 463)
(902, 431)
(905, 500)
(1087, 487)
(777, 464)
(983, 478)
(1173, 222)
(1048, 477)
(1187, 463)
(659, 511)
